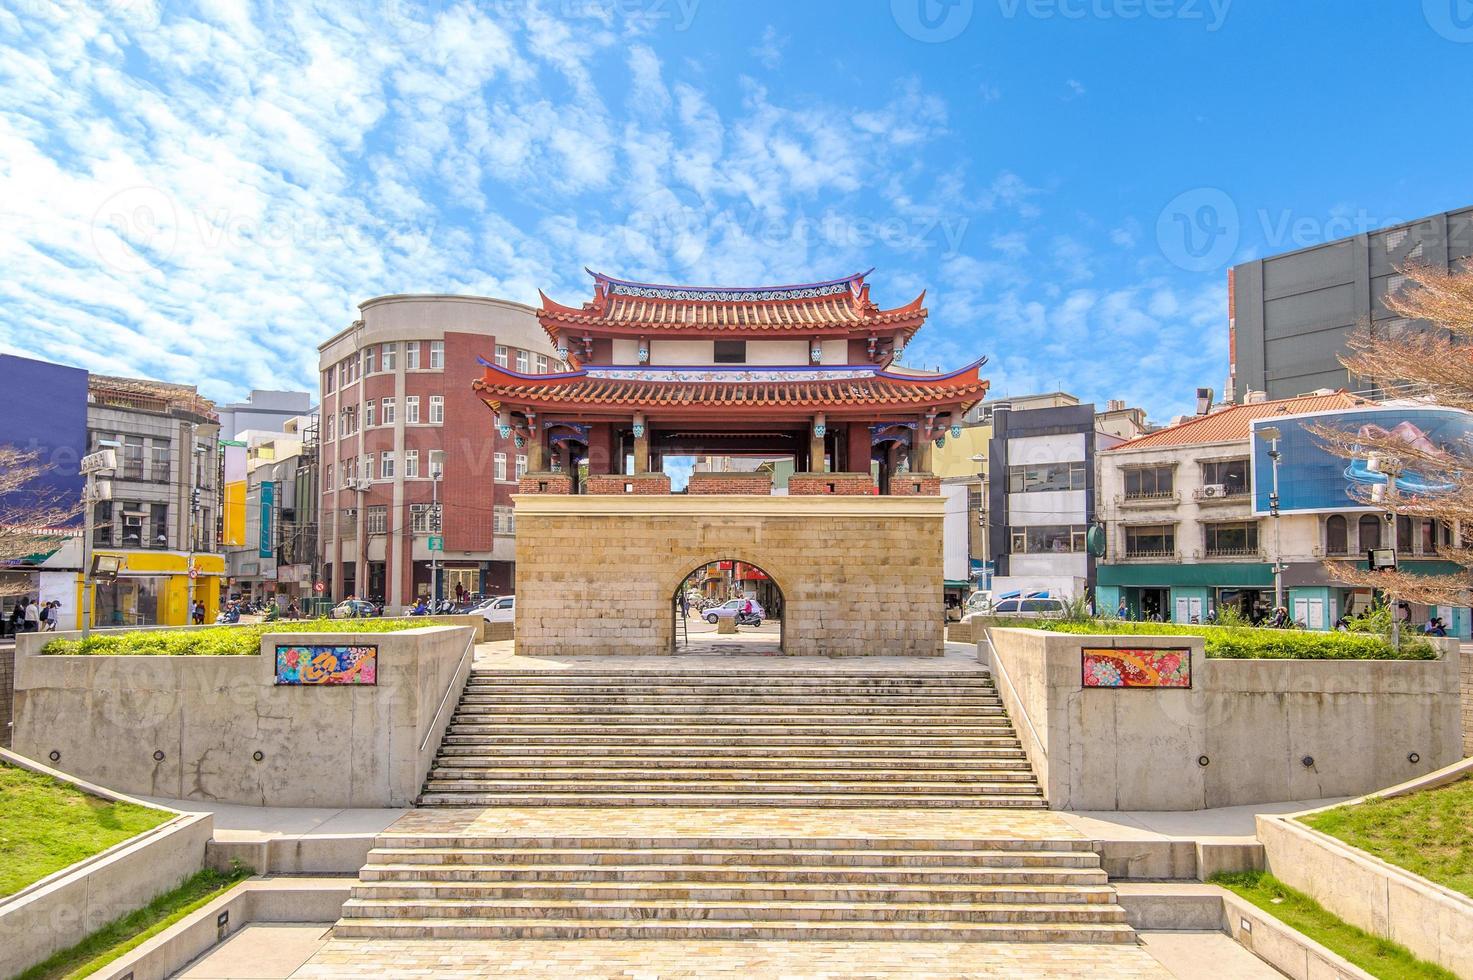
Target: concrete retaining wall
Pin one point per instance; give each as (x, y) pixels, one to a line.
(63, 908)
(1434, 922)
(190, 727)
(1247, 731)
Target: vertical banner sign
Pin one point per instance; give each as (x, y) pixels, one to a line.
(268, 508)
(234, 511)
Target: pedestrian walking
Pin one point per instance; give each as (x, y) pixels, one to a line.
(1122, 610)
(32, 615)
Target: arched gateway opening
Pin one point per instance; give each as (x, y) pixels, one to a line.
(728, 606)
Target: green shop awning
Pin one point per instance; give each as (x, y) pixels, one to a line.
(1228, 575)
(953, 583)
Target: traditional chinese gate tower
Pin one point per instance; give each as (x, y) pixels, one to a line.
(805, 372)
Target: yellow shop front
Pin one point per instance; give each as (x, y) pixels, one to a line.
(154, 588)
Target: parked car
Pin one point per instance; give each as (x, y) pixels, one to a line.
(501, 609)
(354, 609)
(979, 601)
(734, 607)
(1029, 607)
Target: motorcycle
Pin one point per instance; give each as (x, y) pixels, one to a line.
(748, 619)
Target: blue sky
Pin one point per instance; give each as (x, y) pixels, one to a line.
(202, 192)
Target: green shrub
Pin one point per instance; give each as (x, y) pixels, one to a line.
(215, 641)
(1248, 643)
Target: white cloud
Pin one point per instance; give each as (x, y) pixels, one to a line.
(769, 50)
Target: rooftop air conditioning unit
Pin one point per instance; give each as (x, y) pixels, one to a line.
(1214, 490)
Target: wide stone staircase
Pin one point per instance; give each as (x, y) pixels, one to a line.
(850, 808)
(731, 738)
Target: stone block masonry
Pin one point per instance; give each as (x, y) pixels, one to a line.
(859, 576)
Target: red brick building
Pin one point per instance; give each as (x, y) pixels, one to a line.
(398, 408)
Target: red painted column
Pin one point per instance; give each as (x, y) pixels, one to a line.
(858, 461)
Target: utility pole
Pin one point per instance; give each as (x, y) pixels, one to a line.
(102, 461)
(1273, 435)
(437, 468)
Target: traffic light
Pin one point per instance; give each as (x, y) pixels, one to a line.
(194, 499)
(435, 519)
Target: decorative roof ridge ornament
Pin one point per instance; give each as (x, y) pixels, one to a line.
(608, 285)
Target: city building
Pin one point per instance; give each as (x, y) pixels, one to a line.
(160, 516)
(401, 429)
(265, 411)
(963, 465)
(1190, 524)
(279, 537)
(1289, 314)
(659, 373)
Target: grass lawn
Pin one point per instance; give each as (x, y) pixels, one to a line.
(1378, 957)
(133, 929)
(46, 825)
(1429, 833)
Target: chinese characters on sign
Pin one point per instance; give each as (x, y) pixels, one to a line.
(312, 664)
(1137, 668)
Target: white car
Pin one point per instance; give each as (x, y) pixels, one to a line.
(732, 607)
(502, 609)
(1028, 607)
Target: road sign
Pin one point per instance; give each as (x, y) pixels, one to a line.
(437, 543)
(193, 571)
(319, 587)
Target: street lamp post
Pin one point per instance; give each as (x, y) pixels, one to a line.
(1272, 434)
(103, 461)
(437, 469)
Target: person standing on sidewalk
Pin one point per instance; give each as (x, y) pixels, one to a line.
(33, 616)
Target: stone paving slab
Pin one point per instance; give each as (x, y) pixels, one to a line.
(758, 822)
(638, 960)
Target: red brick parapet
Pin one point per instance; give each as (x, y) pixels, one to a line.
(758, 483)
(837, 484)
(553, 483)
(647, 484)
(915, 485)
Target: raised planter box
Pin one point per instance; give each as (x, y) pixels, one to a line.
(65, 907)
(1244, 731)
(222, 730)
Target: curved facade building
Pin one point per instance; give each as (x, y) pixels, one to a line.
(397, 404)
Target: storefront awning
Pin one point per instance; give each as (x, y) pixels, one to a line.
(1239, 575)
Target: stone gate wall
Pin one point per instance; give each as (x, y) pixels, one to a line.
(860, 576)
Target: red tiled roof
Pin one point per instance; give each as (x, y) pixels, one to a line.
(1236, 423)
(577, 389)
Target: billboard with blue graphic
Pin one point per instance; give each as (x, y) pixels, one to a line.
(44, 406)
(1314, 480)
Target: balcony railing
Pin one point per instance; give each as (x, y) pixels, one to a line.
(1159, 499)
(1233, 553)
(1147, 554)
(1224, 495)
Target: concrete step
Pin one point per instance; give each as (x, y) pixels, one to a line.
(443, 773)
(596, 765)
(513, 695)
(744, 844)
(743, 875)
(874, 860)
(616, 713)
(717, 675)
(641, 892)
(723, 754)
(763, 929)
(711, 799)
(750, 727)
(582, 741)
(680, 909)
(717, 783)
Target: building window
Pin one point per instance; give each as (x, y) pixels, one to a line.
(501, 361)
(1152, 482)
(411, 409)
(158, 463)
(158, 526)
(133, 515)
(386, 466)
(524, 362)
(1404, 534)
(102, 524)
(499, 461)
(1337, 535)
(132, 457)
(1370, 532)
(329, 426)
(1429, 537)
(730, 352)
(411, 355)
(348, 518)
(368, 359)
(327, 385)
(327, 483)
(391, 355)
(1049, 476)
(419, 518)
(369, 410)
(1150, 541)
(389, 412)
(1048, 538)
(1230, 474)
(541, 363)
(350, 470)
(437, 409)
(376, 519)
(521, 467)
(365, 468)
(503, 520)
(411, 464)
(437, 355)
(1237, 540)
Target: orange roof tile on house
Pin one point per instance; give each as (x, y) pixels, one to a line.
(1235, 424)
